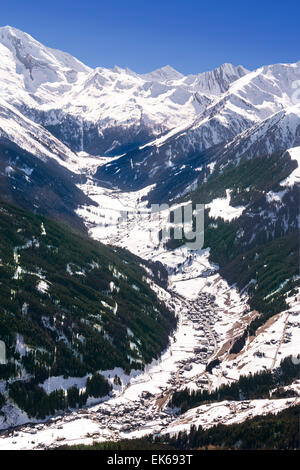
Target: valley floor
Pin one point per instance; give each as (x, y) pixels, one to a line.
(211, 315)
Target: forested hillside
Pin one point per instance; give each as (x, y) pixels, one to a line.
(271, 432)
(70, 306)
(258, 250)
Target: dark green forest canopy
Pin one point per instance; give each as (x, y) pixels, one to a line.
(260, 249)
(77, 305)
(253, 386)
(271, 432)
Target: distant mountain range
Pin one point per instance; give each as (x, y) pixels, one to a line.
(101, 110)
(165, 124)
(228, 138)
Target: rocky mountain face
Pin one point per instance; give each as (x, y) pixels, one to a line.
(228, 138)
(169, 128)
(175, 132)
(43, 187)
(258, 115)
(252, 225)
(101, 111)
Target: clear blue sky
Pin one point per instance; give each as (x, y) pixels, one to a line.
(190, 35)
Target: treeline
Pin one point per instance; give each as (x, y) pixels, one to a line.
(33, 399)
(274, 266)
(126, 444)
(273, 431)
(252, 386)
(254, 247)
(72, 329)
(270, 432)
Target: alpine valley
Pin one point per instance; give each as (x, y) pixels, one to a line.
(111, 334)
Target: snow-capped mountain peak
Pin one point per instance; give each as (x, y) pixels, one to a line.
(163, 74)
(108, 111)
(93, 106)
(216, 81)
(23, 45)
(42, 70)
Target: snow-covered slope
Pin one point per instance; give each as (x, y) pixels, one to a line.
(37, 171)
(32, 75)
(257, 114)
(248, 101)
(216, 81)
(32, 137)
(171, 128)
(278, 132)
(294, 177)
(115, 110)
(30, 68)
(162, 98)
(53, 88)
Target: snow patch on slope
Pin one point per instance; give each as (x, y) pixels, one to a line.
(221, 207)
(294, 177)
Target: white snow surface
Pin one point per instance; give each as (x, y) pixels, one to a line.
(294, 177)
(228, 98)
(211, 313)
(221, 207)
(228, 412)
(40, 77)
(204, 321)
(200, 110)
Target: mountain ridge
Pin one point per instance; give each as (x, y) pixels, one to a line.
(51, 86)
